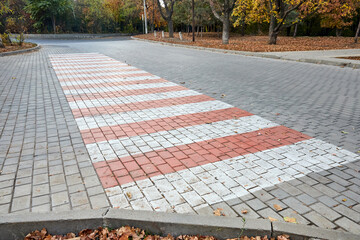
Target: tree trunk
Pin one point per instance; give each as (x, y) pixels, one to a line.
(357, 33)
(272, 35)
(171, 28)
(1, 43)
(338, 32)
(54, 23)
(295, 30)
(273, 38)
(226, 29)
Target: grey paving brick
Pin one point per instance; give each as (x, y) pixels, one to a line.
(226, 209)
(293, 214)
(325, 211)
(59, 198)
(348, 225)
(306, 199)
(42, 200)
(79, 198)
(326, 190)
(310, 190)
(296, 205)
(328, 201)
(99, 201)
(245, 211)
(319, 220)
(20, 203)
(256, 204)
(348, 212)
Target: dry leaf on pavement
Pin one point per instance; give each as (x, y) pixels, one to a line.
(218, 212)
(290, 219)
(278, 207)
(272, 219)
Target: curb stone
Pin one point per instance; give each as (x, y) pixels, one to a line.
(20, 51)
(72, 36)
(17, 226)
(258, 54)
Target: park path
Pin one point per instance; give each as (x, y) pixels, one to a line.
(159, 146)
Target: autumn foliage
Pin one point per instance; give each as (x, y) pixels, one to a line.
(129, 233)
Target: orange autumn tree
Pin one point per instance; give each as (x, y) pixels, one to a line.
(338, 14)
(277, 13)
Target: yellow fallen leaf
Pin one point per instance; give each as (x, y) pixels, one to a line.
(290, 219)
(344, 200)
(129, 195)
(272, 219)
(278, 207)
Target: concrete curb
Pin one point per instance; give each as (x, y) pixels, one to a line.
(20, 51)
(17, 226)
(72, 36)
(258, 54)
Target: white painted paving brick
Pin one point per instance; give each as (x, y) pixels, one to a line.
(131, 99)
(149, 114)
(119, 88)
(107, 80)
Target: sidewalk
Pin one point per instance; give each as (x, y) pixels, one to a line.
(158, 146)
(327, 57)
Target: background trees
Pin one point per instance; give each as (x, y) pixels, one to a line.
(272, 17)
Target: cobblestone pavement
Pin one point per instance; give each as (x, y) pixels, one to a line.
(159, 146)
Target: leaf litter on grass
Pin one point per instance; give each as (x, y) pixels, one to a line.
(129, 233)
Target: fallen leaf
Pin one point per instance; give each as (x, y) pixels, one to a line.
(218, 212)
(278, 207)
(272, 219)
(244, 211)
(344, 200)
(344, 132)
(290, 219)
(129, 195)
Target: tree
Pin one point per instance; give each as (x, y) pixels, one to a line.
(168, 5)
(4, 8)
(222, 10)
(338, 14)
(278, 13)
(42, 10)
(357, 33)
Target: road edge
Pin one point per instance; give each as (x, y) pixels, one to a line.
(37, 47)
(17, 226)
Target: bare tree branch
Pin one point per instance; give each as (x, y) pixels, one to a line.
(216, 14)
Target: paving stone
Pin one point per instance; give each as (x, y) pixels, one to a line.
(245, 211)
(325, 211)
(42, 200)
(293, 214)
(350, 213)
(99, 201)
(268, 212)
(296, 205)
(306, 199)
(348, 225)
(59, 198)
(78, 198)
(327, 201)
(319, 220)
(20, 203)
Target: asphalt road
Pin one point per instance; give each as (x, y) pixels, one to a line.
(318, 100)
